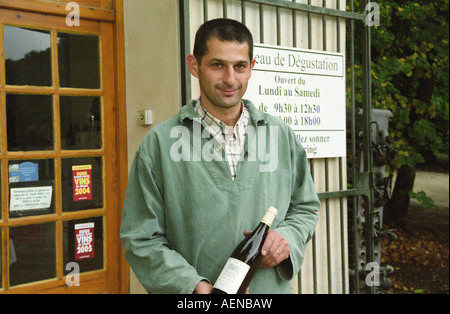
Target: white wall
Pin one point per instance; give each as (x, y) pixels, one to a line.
(152, 54)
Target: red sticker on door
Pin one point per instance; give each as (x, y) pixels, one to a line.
(82, 183)
(84, 241)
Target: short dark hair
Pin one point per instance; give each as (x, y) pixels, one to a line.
(224, 30)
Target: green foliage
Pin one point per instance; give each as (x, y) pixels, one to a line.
(410, 77)
(425, 200)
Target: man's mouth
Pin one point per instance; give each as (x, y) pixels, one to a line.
(228, 92)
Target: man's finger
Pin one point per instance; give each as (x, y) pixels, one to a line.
(275, 250)
(267, 246)
(247, 233)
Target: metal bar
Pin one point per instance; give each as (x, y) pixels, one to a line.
(342, 227)
(314, 239)
(367, 99)
(367, 141)
(299, 284)
(186, 93)
(327, 176)
(278, 26)
(309, 27)
(341, 177)
(324, 28)
(353, 135)
(341, 193)
(294, 27)
(243, 13)
(314, 257)
(328, 224)
(225, 8)
(309, 8)
(261, 24)
(205, 10)
(338, 27)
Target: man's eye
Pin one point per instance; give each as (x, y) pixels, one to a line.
(216, 65)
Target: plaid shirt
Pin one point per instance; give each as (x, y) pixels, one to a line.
(230, 139)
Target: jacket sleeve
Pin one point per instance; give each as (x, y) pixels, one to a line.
(159, 268)
(301, 218)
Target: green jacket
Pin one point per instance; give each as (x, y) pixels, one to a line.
(183, 214)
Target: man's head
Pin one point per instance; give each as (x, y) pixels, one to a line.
(223, 30)
(223, 63)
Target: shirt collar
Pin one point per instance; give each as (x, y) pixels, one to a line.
(208, 119)
(257, 117)
(218, 126)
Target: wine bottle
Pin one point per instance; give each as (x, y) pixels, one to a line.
(245, 260)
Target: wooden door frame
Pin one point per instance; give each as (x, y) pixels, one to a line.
(110, 11)
(121, 137)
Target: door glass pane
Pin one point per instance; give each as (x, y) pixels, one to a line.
(80, 122)
(27, 56)
(78, 60)
(34, 253)
(82, 183)
(31, 187)
(83, 243)
(29, 122)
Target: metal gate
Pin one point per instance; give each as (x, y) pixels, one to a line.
(355, 188)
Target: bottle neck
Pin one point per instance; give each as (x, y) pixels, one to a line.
(268, 218)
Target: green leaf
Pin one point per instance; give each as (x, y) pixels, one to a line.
(426, 201)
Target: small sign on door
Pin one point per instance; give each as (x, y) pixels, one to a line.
(82, 183)
(84, 241)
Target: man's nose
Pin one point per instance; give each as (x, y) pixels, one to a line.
(229, 76)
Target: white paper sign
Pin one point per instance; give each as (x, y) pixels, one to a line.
(306, 89)
(31, 198)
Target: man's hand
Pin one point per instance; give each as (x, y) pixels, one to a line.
(275, 249)
(203, 287)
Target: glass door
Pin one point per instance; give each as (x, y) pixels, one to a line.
(58, 217)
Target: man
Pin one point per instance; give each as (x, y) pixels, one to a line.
(203, 177)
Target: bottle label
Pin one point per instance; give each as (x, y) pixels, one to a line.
(232, 276)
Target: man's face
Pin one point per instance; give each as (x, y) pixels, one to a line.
(224, 73)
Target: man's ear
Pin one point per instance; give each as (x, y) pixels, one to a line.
(192, 64)
(252, 65)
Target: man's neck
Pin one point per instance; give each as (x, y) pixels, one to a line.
(229, 116)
